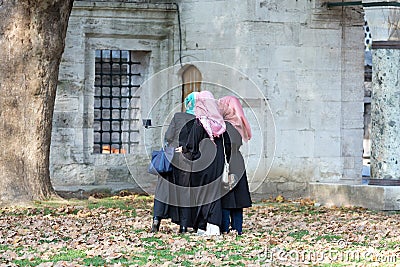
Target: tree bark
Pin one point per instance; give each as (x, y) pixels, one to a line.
(32, 35)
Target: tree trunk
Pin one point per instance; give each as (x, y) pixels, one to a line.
(32, 35)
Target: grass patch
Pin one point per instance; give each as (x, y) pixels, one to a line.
(361, 244)
(386, 244)
(68, 255)
(95, 261)
(186, 263)
(140, 259)
(236, 257)
(4, 247)
(298, 235)
(162, 255)
(99, 261)
(153, 240)
(110, 203)
(333, 265)
(184, 251)
(27, 262)
(139, 231)
(329, 238)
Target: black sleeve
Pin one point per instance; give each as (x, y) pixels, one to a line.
(170, 133)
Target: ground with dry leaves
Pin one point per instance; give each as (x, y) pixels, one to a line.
(114, 231)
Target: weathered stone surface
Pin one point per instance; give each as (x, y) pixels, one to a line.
(383, 21)
(367, 196)
(295, 52)
(385, 110)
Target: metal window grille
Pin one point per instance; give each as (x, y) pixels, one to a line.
(116, 107)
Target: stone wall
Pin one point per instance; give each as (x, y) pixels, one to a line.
(93, 26)
(298, 65)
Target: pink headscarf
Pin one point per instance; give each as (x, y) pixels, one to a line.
(206, 110)
(232, 111)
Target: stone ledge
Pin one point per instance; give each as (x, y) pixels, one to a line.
(83, 191)
(360, 195)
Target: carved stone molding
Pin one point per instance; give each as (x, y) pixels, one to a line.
(384, 21)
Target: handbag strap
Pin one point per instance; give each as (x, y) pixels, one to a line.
(223, 144)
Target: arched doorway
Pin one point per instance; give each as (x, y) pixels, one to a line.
(191, 81)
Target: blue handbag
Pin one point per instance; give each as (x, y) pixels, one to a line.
(161, 161)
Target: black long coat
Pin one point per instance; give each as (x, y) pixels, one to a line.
(239, 196)
(207, 166)
(171, 192)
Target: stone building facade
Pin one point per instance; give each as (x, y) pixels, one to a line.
(298, 65)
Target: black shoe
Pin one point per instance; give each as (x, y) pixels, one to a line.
(155, 227)
(182, 229)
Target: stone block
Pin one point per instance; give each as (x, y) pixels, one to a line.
(327, 58)
(73, 174)
(278, 33)
(325, 116)
(353, 92)
(67, 87)
(367, 196)
(60, 155)
(331, 194)
(353, 174)
(303, 169)
(66, 120)
(313, 88)
(63, 136)
(354, 163)
(67, 104)
(296, 143)
(348, 162)
(352, 142)
(296, 170)
(327, 169)
(101, 174)
(327, 144)
(265, 191)
(284, 11)
(289, 57)
(118, 174)
(314, 37)
(355, 37)
(286, 120)
(287, 187)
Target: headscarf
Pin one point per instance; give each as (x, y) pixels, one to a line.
(209, 115)
(190, 102)
(232, 111)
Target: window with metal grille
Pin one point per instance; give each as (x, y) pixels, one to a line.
(118, 75)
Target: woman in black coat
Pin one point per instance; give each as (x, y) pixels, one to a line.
(171, 198)
(204, 148)
(207, 166)
(237, 129)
